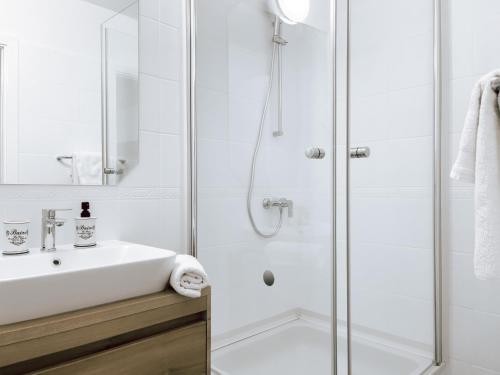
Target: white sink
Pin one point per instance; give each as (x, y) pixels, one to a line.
(42, 284)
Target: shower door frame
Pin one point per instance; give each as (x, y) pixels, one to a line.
(438, 361)
(192, 155)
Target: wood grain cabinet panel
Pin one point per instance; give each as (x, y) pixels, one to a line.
(158, 334)
(178, 352)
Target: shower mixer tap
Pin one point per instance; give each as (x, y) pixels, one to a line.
(281, 203)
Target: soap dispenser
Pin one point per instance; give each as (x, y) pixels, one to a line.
(85, 228)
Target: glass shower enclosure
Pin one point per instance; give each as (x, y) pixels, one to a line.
(313, 197)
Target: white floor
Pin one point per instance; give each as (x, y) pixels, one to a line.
(300, 347)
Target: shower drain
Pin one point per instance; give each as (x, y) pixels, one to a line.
(268, 278)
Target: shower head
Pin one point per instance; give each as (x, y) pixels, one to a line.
(290, 11)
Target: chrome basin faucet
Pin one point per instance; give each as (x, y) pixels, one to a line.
(49, 224)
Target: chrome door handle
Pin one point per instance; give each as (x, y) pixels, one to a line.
(315, 153)
(112, 171)
(360, 152)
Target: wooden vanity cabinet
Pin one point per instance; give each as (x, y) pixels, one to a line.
(163, 333)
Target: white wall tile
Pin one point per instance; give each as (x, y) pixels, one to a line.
(171, 167)
(486, 28)
(412, 169)
(469, 292)
(460, 225)
(141, 222)
(224, 221)
(160, 109)
(240, 160)
(249, 28)
(149, 8)
(213, 73)
(171, 12)
(161, 49)
(169, 60)
(249, 72)
(474, 337)
(394, 220)
(213, 164)
(212, 114)
(390, 61)
(413, 18)
(460, 92)
(245, 116)
(150, 92)
(171, 107)
(392, 115)
(149, 39)
(406, 265)
(172, 225)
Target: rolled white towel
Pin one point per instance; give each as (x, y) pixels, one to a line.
(188, 277)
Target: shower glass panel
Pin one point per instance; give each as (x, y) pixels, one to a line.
(271, 279)
(390, 191)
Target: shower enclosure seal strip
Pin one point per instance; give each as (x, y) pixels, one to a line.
(334, 308)
(191, 127)
(437, 197)
(348, 194)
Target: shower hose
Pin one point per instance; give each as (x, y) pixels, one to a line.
(265, 111)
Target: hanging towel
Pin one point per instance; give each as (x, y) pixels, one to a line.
(188, 277)
(87, 168)
(478, 162)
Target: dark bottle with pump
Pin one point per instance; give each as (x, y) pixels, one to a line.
(85, 228)
(85, 209)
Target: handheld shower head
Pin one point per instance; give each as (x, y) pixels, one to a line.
(290, 11)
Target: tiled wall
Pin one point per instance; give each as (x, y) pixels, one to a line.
(149, 205)
(471, 32)
(234, 55)
(391, 191)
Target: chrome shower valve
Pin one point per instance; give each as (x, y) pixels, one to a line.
(281, 203)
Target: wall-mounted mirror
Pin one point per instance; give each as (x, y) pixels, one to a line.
(68, 91)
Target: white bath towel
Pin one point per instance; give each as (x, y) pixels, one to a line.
(478, 162)
(87, 168)
(188, 277)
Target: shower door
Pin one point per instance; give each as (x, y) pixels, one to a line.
(390, 185)
(271, 296)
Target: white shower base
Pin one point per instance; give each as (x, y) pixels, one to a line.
(301, 346)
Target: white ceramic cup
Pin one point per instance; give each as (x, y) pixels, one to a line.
(16, 237)
(85, 232)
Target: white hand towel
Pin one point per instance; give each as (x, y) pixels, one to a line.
(87, 168)
(188, 277)
(478, 162)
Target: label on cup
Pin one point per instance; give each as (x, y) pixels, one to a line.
(85, 231)
(16, 237)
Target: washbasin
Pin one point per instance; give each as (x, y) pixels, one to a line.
(41, 284)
